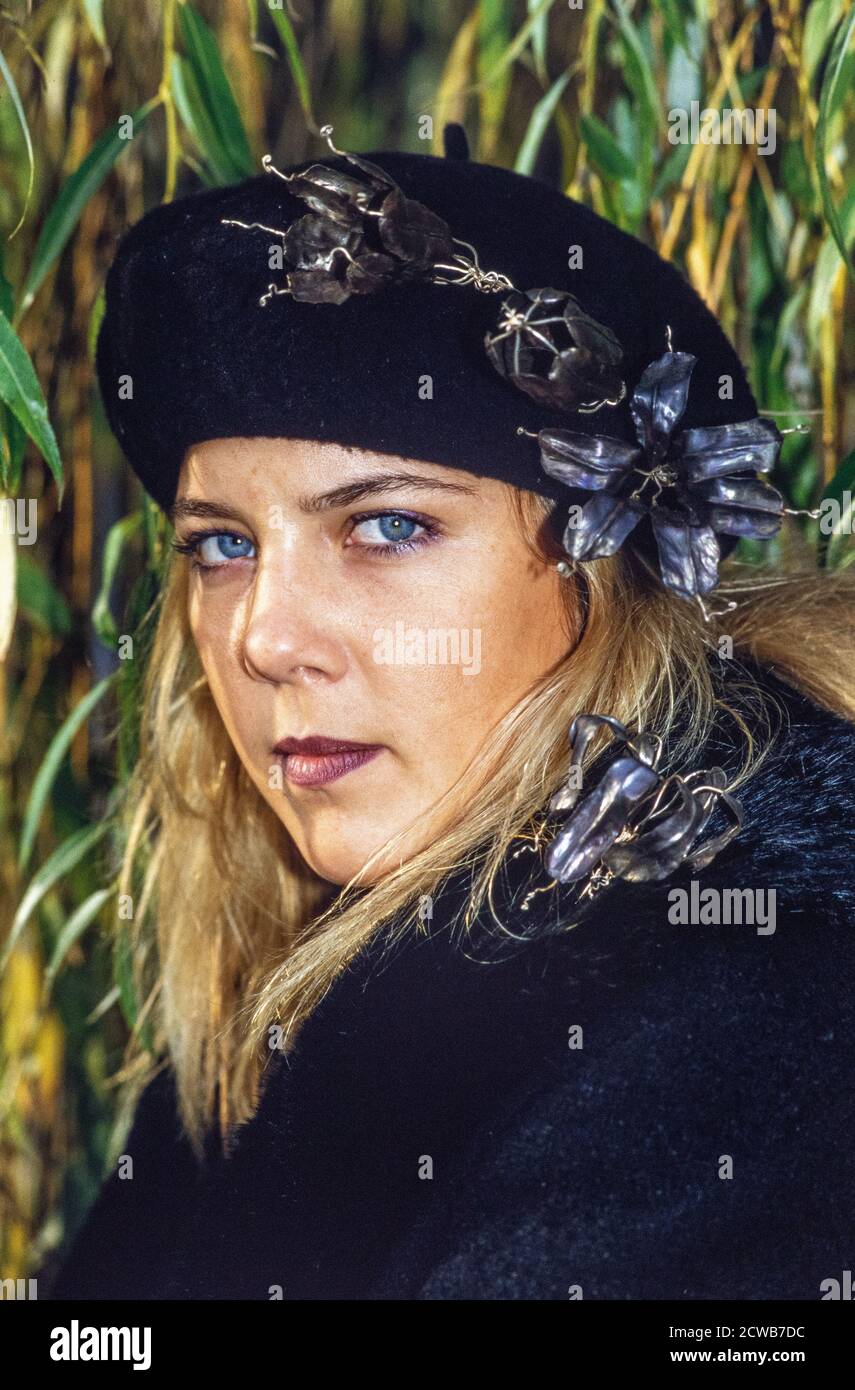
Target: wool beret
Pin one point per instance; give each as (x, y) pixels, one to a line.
(186, 352)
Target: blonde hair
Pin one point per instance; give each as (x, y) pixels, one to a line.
(233, 933)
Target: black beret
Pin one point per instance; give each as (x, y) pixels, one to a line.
(186, 352)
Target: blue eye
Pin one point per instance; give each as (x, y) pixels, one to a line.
(387, 534)
(224, 546)
(214, 549)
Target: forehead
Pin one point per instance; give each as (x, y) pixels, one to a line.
(315, 475)
(212, 456)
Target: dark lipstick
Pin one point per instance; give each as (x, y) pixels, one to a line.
(311, 762)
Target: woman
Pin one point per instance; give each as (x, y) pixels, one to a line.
(447, 1008)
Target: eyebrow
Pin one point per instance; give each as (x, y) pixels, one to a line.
(343, 496)
(195, 506)
(374, 484)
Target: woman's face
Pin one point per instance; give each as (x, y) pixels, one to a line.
(358, 598)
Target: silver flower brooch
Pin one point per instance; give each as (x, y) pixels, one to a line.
(635, 822)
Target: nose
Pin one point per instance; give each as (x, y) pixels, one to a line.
(289, 631)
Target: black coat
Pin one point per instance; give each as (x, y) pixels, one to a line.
(435, 1135)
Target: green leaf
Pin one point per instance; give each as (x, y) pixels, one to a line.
(683, 85)
(51, 763)
(674, 22)
(820, 18)
(22, 121)
(72, 931)
(750, 85)
(139, 620)
(639, 74)
(193, 112)
(842, 482)
(13, 446)
(95, 14)
(831, 100)
(494, 37)
(202, 171)
(648, 114)
(539, 38)
(117, 538)
(20, 390)
(6, 295)
(188, 104)
(215, 94)
(519, 42)
(621, 122)
(157, 530)
(779, 231)
(795, 176)
(95, 318)
(672, 169)
(295, 62)
(60, 863)
(74, 195)
(826, 269)
(761, 278)
(40, 600)
(604, 151)
(538, 125)
(13, 438)
(789, 316)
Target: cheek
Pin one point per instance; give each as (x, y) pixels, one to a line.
(497, 628)
(516, 606)
(216, 611)
(528, 627)
(210, 631)
(212, 628)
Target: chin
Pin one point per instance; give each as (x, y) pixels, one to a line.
(340, 871)
(338, 862)
(337, 841)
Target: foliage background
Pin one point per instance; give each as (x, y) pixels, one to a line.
(577, 94)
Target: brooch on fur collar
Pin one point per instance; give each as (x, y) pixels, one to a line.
(635, 822)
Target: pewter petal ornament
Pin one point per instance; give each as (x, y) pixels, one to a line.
(694, 485)
(601, 527)
(337, 195)
(688, 554)
(550, 348)
(377, 245)
(745, 446)
(634, 823)
(412, 233)
(741, 506)
(593, 462)
(599, 819)
(657, 852)
(659, 400)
